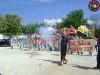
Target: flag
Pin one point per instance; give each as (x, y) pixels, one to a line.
(83, 29)
(76, 31)
(72, 30)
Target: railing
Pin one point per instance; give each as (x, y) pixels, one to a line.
(52, 45)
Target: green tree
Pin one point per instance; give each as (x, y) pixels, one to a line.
(37, 25)
(12, 25)
(74, 18)
(2, 21)
(31, 28)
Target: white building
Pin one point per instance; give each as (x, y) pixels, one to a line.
(14, 37)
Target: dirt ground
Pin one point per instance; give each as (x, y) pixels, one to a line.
(30, 62)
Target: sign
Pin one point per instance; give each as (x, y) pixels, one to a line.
(94, 5)
(83, 45)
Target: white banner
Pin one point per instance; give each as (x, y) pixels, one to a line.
(83, 45)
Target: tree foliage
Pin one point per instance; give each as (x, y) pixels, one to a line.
(2, 21)
(31, 28)
(12, 25)
(95, 32)
(74, 18)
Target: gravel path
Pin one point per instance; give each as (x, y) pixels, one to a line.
(17, 62)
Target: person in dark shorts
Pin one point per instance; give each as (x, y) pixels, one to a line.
(64, 42)
(98, 53)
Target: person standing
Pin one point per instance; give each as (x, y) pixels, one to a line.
(37, 40)
(96, 46)
(98, 53)
(64, 43)
(90, 53)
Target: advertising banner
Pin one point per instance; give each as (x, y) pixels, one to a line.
(83, 45)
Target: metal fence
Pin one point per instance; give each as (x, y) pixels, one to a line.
(52, 45)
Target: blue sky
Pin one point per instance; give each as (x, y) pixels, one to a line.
(32, 11)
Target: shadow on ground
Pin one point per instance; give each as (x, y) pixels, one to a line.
(52, 61)
(32, 54)
(82, 67)
(26, 49)
(55, 62)
(56, 54)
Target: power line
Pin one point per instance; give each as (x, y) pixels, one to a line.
(34, 3)
(40, 5)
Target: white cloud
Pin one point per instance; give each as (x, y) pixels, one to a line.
(90, 22)
(56, 12)
(55, 21)
(52, 21)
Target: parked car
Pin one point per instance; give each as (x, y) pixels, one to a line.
(5, 42)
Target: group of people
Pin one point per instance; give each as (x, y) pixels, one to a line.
(38, 41)
(65, 41)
